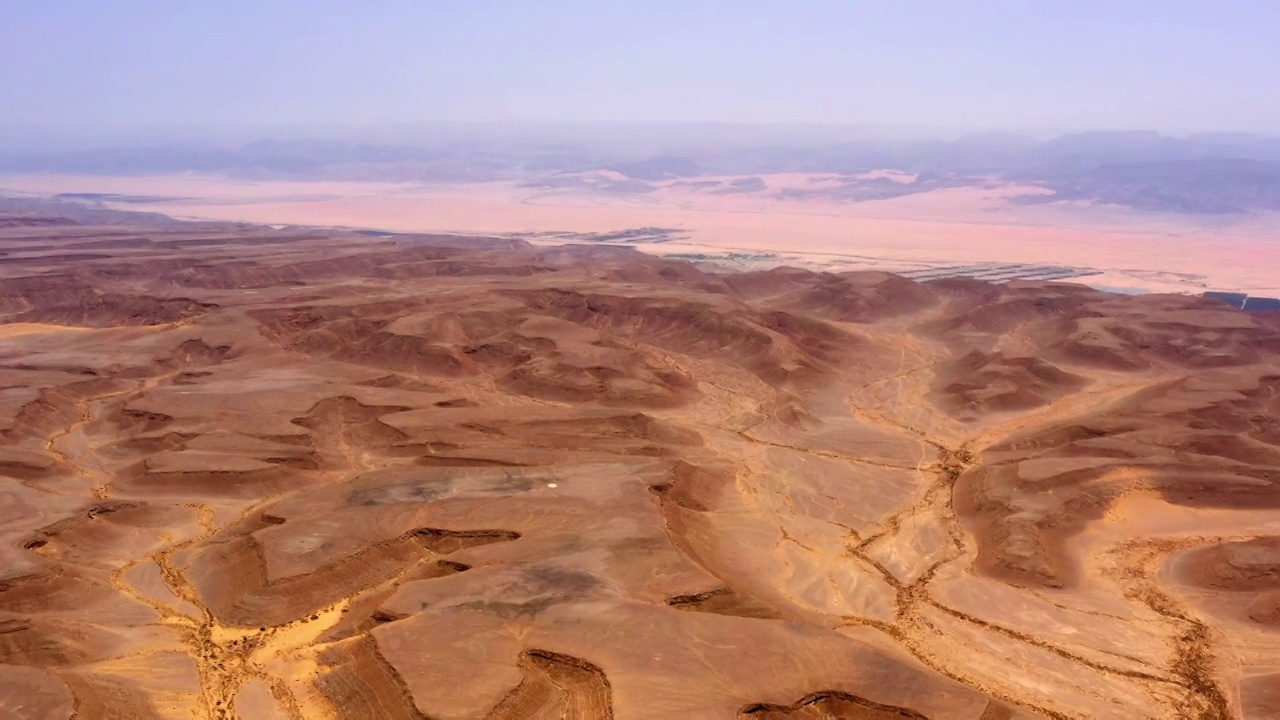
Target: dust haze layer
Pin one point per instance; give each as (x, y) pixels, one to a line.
(284, 473)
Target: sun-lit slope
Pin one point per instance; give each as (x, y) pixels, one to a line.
(258, 474)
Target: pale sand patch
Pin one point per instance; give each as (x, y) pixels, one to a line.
(20, 329)
(1145, 514)
(895, 176)
(1148, 514)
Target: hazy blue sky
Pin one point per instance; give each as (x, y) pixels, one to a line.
(1176, 65)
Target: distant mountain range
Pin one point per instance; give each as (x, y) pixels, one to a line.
(1209, 173)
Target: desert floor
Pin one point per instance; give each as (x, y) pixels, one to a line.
(295, 473)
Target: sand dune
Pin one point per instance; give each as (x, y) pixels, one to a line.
(283, 473)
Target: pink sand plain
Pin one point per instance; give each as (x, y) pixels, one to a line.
(1153, 251)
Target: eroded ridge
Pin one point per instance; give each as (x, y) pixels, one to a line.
(556, 686)
(829, 705)
(334, 476)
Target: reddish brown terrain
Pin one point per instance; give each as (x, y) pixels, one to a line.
(303, 474)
